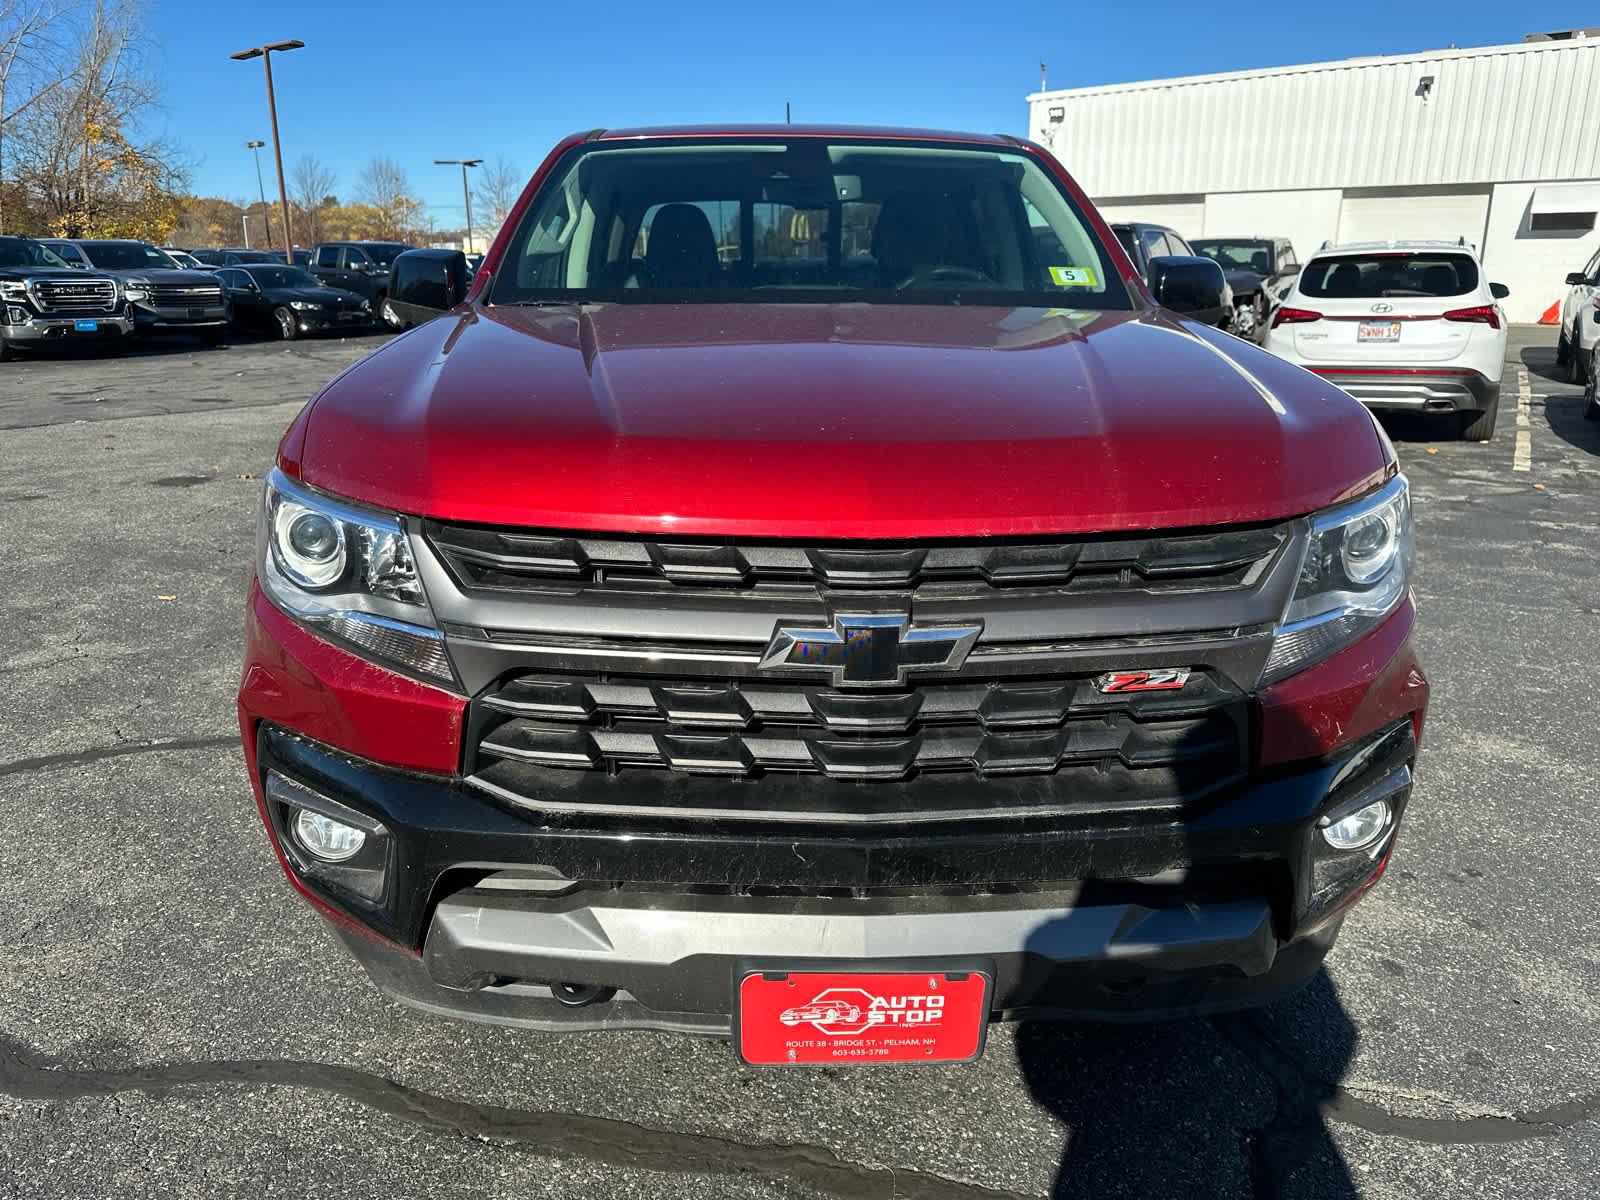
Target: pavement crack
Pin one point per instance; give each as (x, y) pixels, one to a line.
(606, 1140)
(78, 758)
(1304, 1100)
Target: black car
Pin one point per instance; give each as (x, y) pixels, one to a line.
(291, 301)
(1145, 242)
(165, 297)
(1258, 269)
(233, 256)
(361, 267)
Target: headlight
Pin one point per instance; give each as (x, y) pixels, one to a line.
(136, 289)
(349, 575)
(303, 305)
(1355, 572)
(13, 289)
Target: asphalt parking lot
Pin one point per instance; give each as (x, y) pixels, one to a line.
(175, 1022)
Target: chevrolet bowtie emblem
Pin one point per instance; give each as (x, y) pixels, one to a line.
(871, 650)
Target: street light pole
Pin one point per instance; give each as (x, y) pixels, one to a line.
(466, 192)
(264, 53)
(245, 218)
(261, 190)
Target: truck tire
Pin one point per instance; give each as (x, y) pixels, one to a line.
(1479, 426)
(7, 354)
(1591, 393)
(387, 314)
(1575, 363)
(1563, 347)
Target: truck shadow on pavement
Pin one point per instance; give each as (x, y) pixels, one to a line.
(1225, 1107)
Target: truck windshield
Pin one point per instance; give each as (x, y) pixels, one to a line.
(383, 253)
(125, 256)
(806, 219)
(1251, 256)
(23, 252)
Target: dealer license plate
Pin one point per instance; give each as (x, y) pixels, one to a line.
(196, 314)
(1378, 331)
(86, 326)
(797, 1018)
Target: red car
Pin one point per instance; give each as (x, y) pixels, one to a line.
(819, 550)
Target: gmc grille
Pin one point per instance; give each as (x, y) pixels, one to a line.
(86, 296)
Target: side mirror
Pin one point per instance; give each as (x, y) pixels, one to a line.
(1577, 279)
(425, 283)
(1499, 291)
(1191, 286)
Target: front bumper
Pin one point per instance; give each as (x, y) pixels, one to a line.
(322, 322)
(487, 916)
(477, 908)
(180, 320)
(38, 330)
(1422, 389)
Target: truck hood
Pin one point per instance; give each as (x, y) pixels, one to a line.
(832, 420)
(69, 273)
(171, 276)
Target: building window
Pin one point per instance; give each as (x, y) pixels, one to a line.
(1561, 222)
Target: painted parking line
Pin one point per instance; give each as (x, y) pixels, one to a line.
(1522, 460)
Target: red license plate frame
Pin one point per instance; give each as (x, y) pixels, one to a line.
(860, 1018)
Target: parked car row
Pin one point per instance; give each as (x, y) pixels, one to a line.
(104, 292)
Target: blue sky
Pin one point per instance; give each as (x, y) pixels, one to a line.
(418, 81)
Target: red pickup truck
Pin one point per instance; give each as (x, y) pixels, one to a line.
(813, 562)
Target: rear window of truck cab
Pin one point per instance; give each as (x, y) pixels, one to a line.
(807, 219)
(1394, 274)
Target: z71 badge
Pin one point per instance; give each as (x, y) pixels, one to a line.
(1161, 679)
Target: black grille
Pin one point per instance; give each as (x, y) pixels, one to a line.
(77, 296)
(1042, 747)
(183, 295)
(511, 560)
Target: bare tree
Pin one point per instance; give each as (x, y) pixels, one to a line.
(310, 187)
(77, 158)
(385, 187)
(28, 68)
(499, 185)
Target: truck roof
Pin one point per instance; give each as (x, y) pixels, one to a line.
(873, 132)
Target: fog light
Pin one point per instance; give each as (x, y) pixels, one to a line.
(325, 838)
(1360, 829)
(17, 316)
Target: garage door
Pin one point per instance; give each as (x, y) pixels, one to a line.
(1443, 218)
(1187, 217)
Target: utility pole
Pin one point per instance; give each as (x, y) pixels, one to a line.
(466, 192)
(264, 53)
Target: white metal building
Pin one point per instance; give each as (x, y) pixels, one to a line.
(1499, 145)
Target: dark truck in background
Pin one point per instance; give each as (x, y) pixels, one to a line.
(44, 301)
(359, 267)
(163, 297)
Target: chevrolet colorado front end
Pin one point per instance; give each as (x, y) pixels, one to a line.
(810, 591)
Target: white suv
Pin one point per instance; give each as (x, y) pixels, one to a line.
(1579, 342)
(1408, 325)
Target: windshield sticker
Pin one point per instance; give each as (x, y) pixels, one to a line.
(1074, 277)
